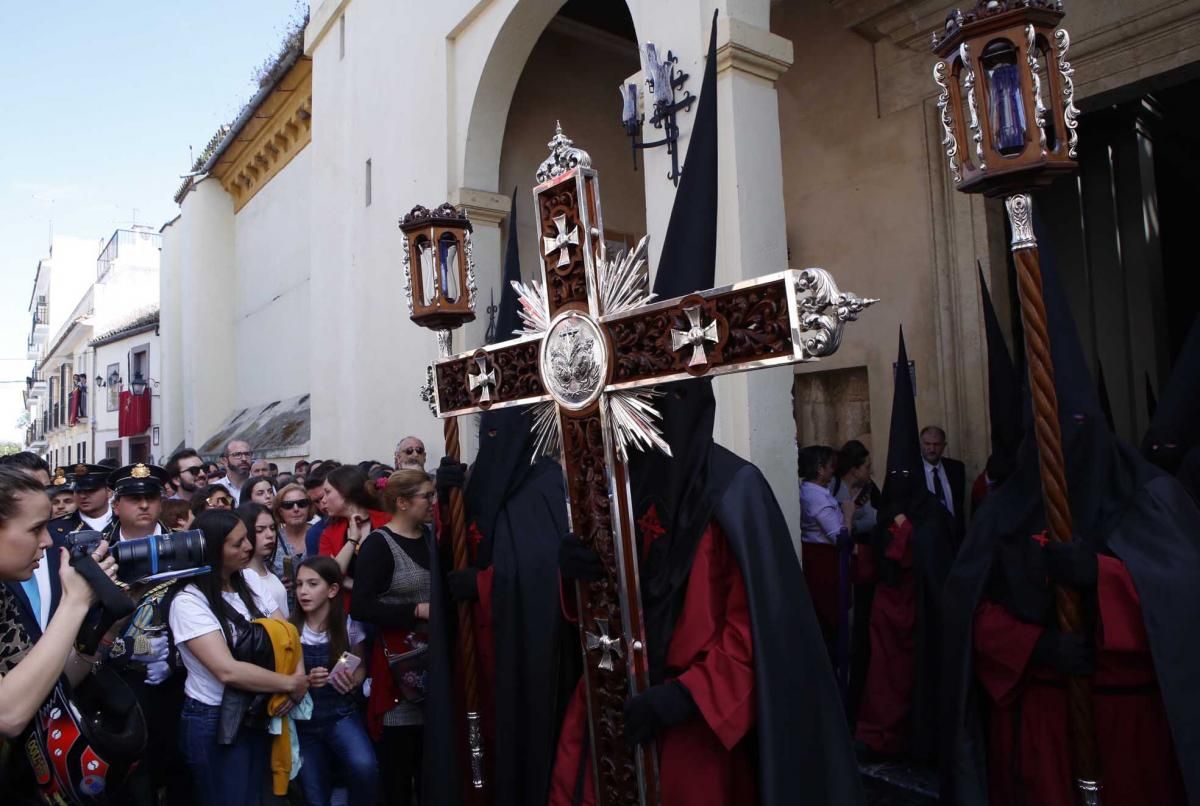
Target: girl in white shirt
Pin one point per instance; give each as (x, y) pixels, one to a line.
(203, 630)
(264, 534)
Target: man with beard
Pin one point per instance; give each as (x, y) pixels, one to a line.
(238, 459)
(742, 703)
(1134, 561)
(911, 551)
(410, 453)
(528, 653)
(185, 469)
(1172, 441)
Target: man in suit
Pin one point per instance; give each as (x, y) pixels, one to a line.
(945, 477)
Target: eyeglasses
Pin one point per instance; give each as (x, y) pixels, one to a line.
(240, 455)
(410, 451)
(299, 503)
(429, 496)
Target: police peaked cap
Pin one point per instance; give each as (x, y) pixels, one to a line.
(88, 477)
(138, 479)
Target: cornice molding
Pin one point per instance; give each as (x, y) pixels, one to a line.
(750, 49)
(321, 21)
(279, 130)
(482, 206)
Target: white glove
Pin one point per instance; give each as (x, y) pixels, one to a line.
(157, 671)
(159, 647)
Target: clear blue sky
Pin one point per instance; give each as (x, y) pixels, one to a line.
(100, 103)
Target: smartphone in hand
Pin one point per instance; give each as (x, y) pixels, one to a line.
(348, 662)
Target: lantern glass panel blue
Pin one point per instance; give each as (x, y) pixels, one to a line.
(1006, 108)
(448, 258)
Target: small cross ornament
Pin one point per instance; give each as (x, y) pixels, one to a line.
(485, 378)
(695, 336)
(562, 241)
(607, 645)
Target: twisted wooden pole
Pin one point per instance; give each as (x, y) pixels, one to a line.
(466, 624)
(1085, 755)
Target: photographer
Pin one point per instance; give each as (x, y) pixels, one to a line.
(206, 616)
(142, 653)
(29, 670)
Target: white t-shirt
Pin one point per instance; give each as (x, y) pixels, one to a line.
(354, 634)
(270, 587)
(191, 617)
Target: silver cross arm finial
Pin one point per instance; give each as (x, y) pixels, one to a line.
(695, 336)
(607, 645)
(562, 241)
(485, 378)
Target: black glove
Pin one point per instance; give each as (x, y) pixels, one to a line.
(1072, 564)
(462, 585)
(1066, 652)
(450, 474)
(577, 561)
(656, 708)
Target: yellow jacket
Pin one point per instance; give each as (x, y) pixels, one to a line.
(285, 640)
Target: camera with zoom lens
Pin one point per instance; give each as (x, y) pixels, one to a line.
(152, 559)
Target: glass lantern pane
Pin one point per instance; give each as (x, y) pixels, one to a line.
(428, 273)
(1047, 93)
(1006, 110)
(448, 262)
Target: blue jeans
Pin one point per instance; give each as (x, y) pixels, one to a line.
(222, 774)
(340, 744)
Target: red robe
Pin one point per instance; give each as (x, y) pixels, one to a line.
(704, 761)
(1028, 744)
(883, 716)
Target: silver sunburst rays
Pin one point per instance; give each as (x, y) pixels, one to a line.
(621, 286)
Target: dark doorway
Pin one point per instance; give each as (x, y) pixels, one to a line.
(1120, 233)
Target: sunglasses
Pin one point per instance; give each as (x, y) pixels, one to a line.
(299, 503)
(411, 451)
(219, 502)
(195, 471)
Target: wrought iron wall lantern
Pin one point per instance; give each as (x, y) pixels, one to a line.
(138, 384)
(114, 379)
(663, 81)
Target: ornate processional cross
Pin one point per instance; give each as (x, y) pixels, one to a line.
(593, 346)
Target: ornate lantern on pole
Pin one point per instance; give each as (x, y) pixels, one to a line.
(1009, 126)
(438, 269)
(439, 284)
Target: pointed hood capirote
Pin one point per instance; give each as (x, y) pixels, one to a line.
(1004, 392)
(505, 435)
(804, 753)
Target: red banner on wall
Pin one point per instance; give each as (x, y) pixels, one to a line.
(73, 408)
(134, 417)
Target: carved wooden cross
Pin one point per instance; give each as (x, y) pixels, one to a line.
(593, 347)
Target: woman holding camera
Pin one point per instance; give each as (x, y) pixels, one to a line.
(205, 617)
(28, 670)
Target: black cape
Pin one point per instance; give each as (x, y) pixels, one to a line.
(1121, 505)
(536, 650)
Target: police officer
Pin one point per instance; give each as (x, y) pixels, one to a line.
(137, 502)
(92, 510)
(142, 652)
